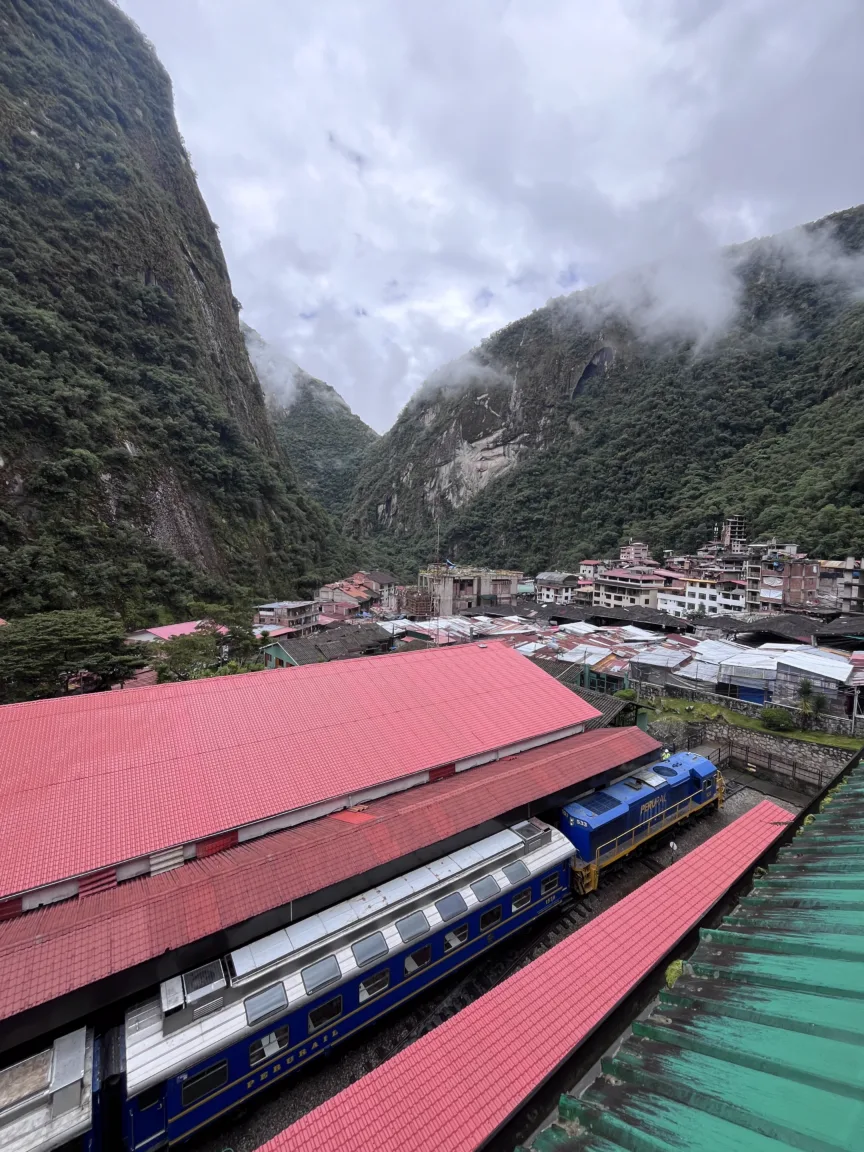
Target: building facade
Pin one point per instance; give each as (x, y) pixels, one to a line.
(635, 553)
(556, 587)
(461, 589)
(301, 615)
(622, 587)
(852, 589)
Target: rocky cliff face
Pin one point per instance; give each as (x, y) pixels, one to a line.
(580, 424)
(137, 464)
(322, 437)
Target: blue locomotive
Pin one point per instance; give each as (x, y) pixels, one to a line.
(610, 823)
(217, 1035)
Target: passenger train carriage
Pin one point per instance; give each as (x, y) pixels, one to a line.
(220, 1033)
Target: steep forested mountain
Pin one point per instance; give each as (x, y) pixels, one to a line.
(575, 426)
(323, 438)
(137, 464)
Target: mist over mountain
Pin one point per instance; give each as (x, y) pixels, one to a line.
(648, 406)
(322, 437)
(138, 468)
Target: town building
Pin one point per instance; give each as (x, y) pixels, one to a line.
(588, 569)
(457, 589)
(383, 586)
(160, 633)
(556, 587)
(618, 587)
(345, 598)
(342, 642)
(734, 534)
(852, 592)
(301, 615)
(635, 553)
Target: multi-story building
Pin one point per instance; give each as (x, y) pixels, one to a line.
(301, 615)
(852, 591)
(460, 589)
(588, 569)
(382, 585)
(634, 553)
(556, 587)
(734, 534)
(343, 599)
(623, 587)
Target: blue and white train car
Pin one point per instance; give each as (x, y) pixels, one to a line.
(47, 1101)
(220, 1033)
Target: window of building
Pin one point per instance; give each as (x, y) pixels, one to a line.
(449, 907)
(369, 949)
(324, 1014)
(266, 1003)
(268, 1045)
(455, 938)
(701, 595)
(374, 985)
(202, 1084)
(711, 596)
(549, 884)
(412, 927)
(521, 900)
(485, 888)
(491, 917)
(319, 975)
(418, 959)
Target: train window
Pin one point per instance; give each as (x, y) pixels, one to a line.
(321, 1016)
(418, 959)
(374, 985)
(268, 1045)
(149, 1098)
(204, 1083)
(485, 888)
(549, 884)
(266, 1003)
(516, 872)
(455, 937)
(451, 906)
(319, 975)
(412, 927)
(521, 900)
(369, 949)
(491, 917)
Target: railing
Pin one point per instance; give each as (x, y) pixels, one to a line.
(627, 841)
(799, 775)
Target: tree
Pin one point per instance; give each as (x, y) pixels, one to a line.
(806, 708)
(222, 645)
(53, 653)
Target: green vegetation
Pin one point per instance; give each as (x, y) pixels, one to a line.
(53, 653)
(615, 435)
(223, 645)
(325, 442)
(138, 470)
(777, 719)
(668, 707)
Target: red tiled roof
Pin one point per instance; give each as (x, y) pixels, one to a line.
(452, 1089)
(92, 781)
(62, 947)
(169, 631)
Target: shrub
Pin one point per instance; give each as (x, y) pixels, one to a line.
(777, 719)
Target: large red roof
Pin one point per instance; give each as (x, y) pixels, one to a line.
(90, 781)
(63, 947)
(452, 1089)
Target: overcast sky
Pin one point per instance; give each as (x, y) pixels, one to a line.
(393, 180)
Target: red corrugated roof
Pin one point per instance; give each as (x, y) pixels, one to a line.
(62, 947)
(95, 780)
(452, 1089)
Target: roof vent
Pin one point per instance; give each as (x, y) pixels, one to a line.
(200, 982)
(534, 834)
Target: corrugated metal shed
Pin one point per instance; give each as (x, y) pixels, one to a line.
(760, 1044)
(452, 1089)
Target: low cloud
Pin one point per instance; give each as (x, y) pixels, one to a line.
(393, 182)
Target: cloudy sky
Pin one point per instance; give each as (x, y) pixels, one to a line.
(394, 180)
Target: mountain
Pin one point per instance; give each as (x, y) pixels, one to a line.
(138, 468)
(588, 422)
(323, 438)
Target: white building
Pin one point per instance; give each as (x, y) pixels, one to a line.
(556, 587)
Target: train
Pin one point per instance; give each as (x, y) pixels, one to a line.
(215, 1036)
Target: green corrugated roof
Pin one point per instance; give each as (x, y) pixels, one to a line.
(759, 1045)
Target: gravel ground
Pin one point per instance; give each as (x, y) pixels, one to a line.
(273, 1110)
